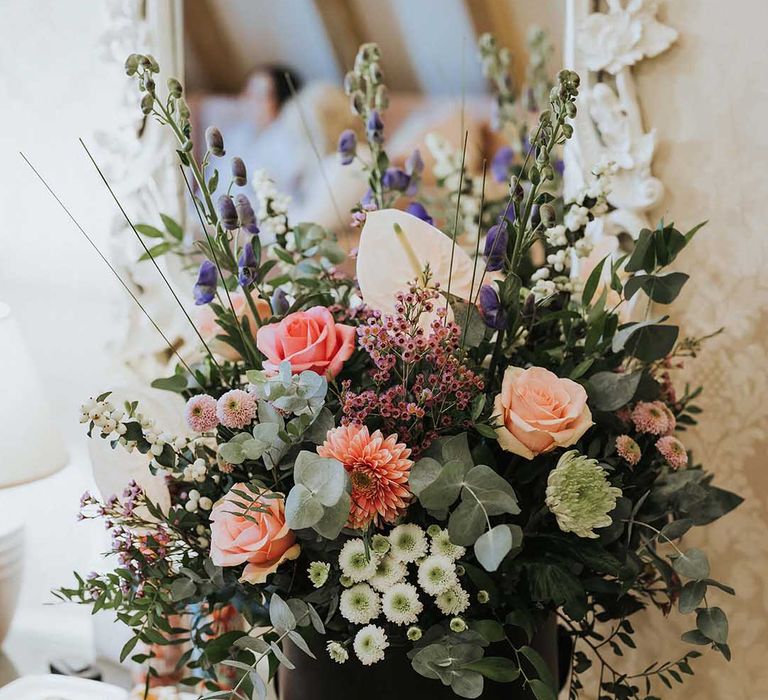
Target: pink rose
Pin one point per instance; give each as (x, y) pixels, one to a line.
(539, 411)
(308, 340)
(263, 539)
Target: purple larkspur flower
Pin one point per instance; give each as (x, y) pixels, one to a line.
(215, 141)
(227, 212)
(491, 309)
(347, 146)
(395, 180)
(279, 302)
(205, 288)
(414, 166)
(496, 245)
(245, 215)
(501, 164)
(375, 128)
(247, 266)
(417, 209)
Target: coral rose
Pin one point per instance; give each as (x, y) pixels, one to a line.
(307, 340)
(209, 327)
(539, 411)
(263, 540)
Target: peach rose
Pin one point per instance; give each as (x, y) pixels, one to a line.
(539, 411)
(308, 340)
(209, 328)
(263, 540)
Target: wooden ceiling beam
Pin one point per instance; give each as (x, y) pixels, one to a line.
(210, 42)
(343, 28)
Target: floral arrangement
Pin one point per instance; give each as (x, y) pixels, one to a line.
(434, 457)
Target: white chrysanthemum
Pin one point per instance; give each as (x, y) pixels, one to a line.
(388, 572)
(337, 652)
(318, 573)
(370, 643)
(409, 542)
(360, 604)
(356, 562)
(437, 573)
(441, 544)
(401, 604)
(453, 601)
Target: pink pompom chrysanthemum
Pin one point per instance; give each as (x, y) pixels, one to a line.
(651, 417)
(236, 409)
(673, 451)
(378, 469)
(200, 413)
(628, 449)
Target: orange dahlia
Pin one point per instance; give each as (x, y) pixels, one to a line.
(378, 469)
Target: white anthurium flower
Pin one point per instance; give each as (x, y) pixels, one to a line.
(394, 249)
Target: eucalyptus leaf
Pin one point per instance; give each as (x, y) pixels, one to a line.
(692, 564)
(466, 523)
(334, 518)
(280, 615)
(691, 595)
(467, 684)
(493, 491)
(445, 489)
(492, 546)
(302, 509)
(423, 473)
(713, 624)
(609, 391)
(497, 668)
(325, 478)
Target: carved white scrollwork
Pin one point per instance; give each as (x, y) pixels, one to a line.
(603, 47)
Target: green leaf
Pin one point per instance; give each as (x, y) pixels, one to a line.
(695, 637)
(156, 251)
(172, 227)
(280, 615)
(452, 448)
(691, 595)
(323, 477)
(652, 342)
(467, 684)
(182, 588)
(663, 289)
(497, 668)
(491, 489)
(643, 256)
(466, 523)
(320, 426)
(491, 630)
(177, 383)
(298, 640)
(590, 286)
(128, 647)
(334, 518)
(423, 473)
(713, 624)
(486, 431)
(302, 510)
(492, 546)
(445, 489)
(149, 231)
(542, 669)
(541, 690)
(676, 529)
(609, 391)
(470, 321)
(692, 564)
(694, 230)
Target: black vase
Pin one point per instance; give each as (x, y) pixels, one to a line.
(393, 678)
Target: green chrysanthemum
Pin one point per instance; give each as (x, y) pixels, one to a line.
(579, 495)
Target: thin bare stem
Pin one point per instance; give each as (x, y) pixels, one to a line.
(107, 263)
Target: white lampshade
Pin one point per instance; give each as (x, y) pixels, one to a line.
(32, 445)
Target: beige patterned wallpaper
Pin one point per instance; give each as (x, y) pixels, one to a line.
(708, 97)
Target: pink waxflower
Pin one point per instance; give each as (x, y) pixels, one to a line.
(236, 409)
(628, 449)
(200, 413)
(673, 451)
(652, 417)
(378, 469)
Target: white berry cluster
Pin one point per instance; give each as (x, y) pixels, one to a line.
(197, 502)
(375, 576)
(272, 212)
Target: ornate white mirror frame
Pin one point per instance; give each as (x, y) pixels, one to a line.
(603, 46)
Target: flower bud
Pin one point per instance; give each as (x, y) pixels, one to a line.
(375, 72)
(347, 146)
(381, 98)
(395, 180)
(205, 288)
(245, 215)
(215, 141)
(351, 83)
(516, 189)
(247, 266)
(279, 302)
(147, 102)
(132, 64)
(183, 108)
(417, 209)
(375, 128)
(547, 215)
(357, 102)
(496, 242)
(174, 87)
(490, 308)
(227, 213)
(153, 65)
(239, 173)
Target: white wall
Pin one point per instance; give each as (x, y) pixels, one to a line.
(54, 87)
